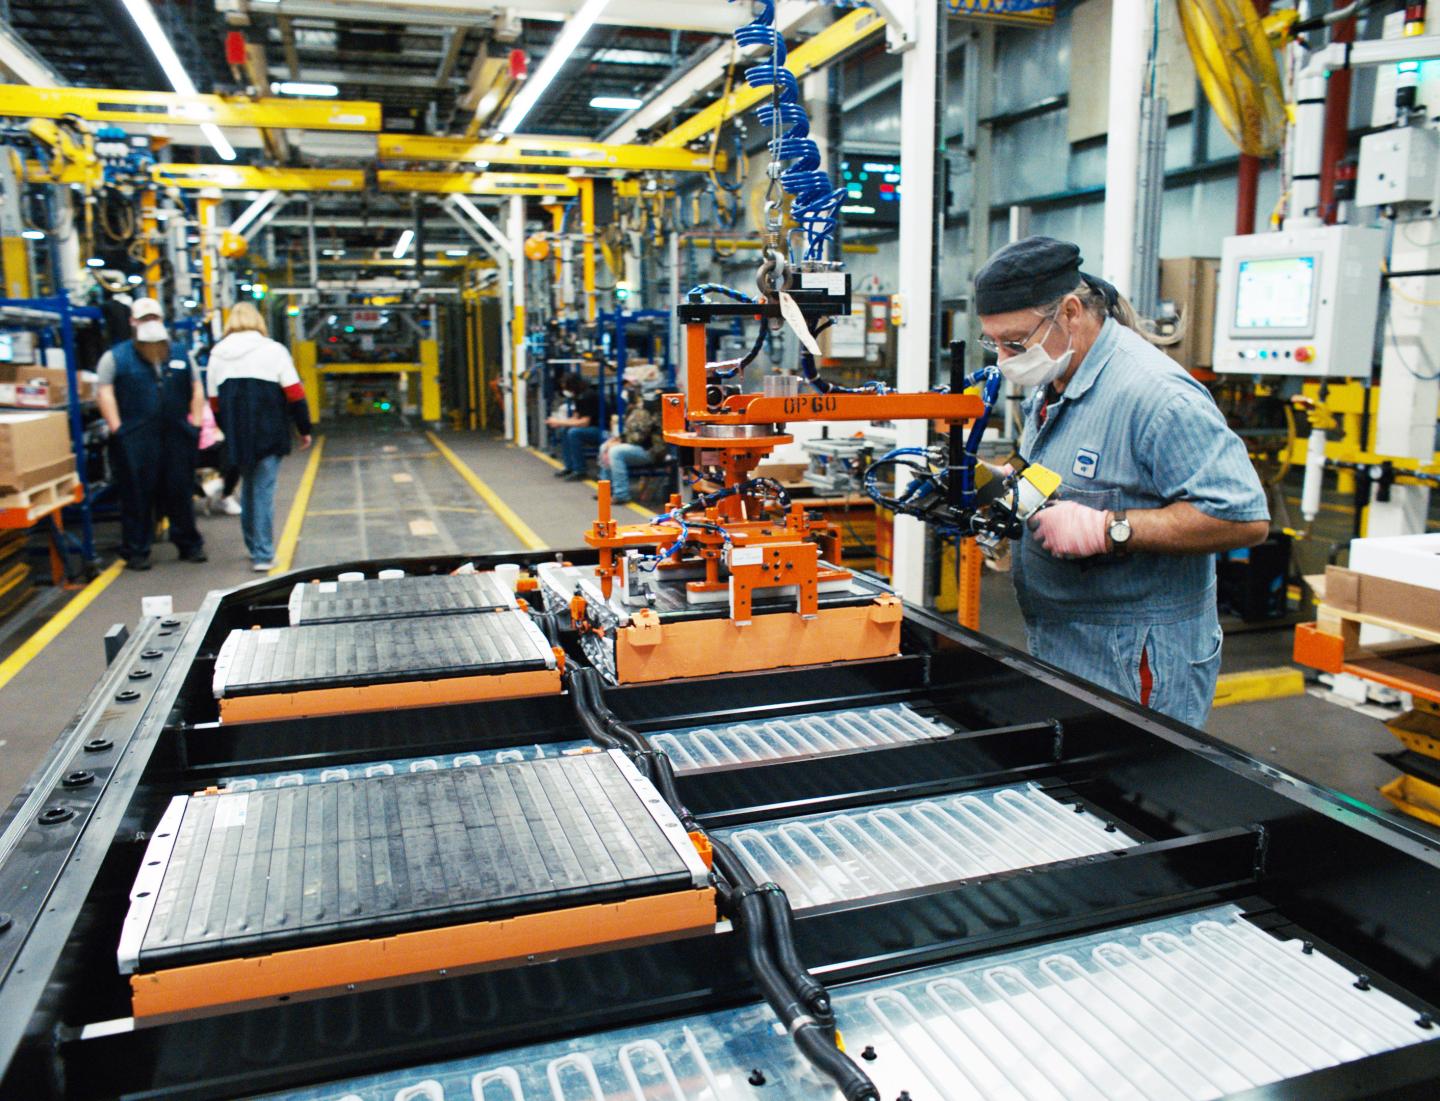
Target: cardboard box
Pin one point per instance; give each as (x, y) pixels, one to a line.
(1413, 559)
(34, 448)
(1193, 284)
(36, 387)
(1413, 605)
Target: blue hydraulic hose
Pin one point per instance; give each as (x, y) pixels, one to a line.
(815, 201)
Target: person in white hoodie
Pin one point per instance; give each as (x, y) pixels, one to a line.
(258, 397)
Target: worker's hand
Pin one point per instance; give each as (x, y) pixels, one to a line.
(1069, 530)
(305, 442)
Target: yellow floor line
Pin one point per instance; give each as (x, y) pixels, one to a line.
(290, 537)
(391, 511)
(1259, 684)
(11, 666)
(631, 505)
(522, 530)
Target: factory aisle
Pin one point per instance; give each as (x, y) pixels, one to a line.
(384, 490)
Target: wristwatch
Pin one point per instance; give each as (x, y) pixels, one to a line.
(1119, 532)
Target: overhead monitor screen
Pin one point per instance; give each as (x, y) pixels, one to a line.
(872, 191)
(1275, 293)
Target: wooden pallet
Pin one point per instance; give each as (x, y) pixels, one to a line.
(23, 508)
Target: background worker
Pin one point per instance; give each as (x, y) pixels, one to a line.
(640, 443)
(581, 424)
(152, 402)
(1117, 580)
(259, 396)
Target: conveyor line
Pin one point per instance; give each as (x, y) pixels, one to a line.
(691, 749)
(397, 598)
(825, 858)
(1195, 1006)
(275, 892)
(696, 748)
(332, 668)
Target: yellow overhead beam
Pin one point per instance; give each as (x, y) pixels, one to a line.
(244, 177)
(223, 177)
(146, 108)
(558, 152)
(815, 53)
(477, 183)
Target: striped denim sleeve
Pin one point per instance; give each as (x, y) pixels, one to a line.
(1194, 457)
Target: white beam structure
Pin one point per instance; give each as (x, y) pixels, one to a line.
(24, 64)
(706, 73)
(256, 208)
(1129, 40)
(714, 18)
(476, 215)
(915, 347)
(501, 256)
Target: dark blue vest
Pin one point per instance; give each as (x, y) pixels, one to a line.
(147, 401)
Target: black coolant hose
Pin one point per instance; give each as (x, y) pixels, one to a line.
(548, 625)
(761, 913)
(782, 935)
(749, 908)
(574, 676)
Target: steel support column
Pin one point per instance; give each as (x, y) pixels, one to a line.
(918, 113)
(519, 426)
(1129, 36)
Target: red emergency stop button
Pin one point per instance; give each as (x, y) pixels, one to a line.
(1305, 354)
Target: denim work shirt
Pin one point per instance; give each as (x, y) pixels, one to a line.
(1133, 430)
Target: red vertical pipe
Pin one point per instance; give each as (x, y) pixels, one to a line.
(1246, 192)
(1337, 124)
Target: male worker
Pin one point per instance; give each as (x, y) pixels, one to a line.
(581, 424)
(1117, 579)
(153, 404)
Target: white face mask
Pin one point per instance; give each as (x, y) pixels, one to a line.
(151, 332)
(1035, 366)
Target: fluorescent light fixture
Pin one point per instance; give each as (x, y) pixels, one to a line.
(402, 246)
(304, 88)
(33, 234)
(95, 262)
(560, 50)
(457, 252)
(144, 16)
(615, 103)
(190, 303)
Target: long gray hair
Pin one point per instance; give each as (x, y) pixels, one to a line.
(1102, 301)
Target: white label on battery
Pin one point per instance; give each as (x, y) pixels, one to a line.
(831, 282)
(230, 811)
(790, 311)
(747, 556)
(157, 605)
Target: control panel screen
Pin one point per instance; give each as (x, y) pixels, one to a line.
(1275, 293)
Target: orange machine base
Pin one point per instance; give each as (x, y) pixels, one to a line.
(651, 651)
(225, 985)
(390, 697)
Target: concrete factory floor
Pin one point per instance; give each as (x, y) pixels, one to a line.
(383, 488)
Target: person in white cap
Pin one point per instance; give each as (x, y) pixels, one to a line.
(153, 403)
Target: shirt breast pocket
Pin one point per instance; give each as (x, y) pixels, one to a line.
(1102, 499)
